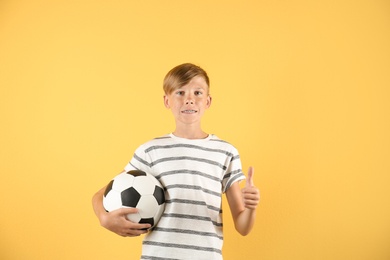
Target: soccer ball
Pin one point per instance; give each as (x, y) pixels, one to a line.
(136, 189)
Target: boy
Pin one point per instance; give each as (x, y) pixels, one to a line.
(195, 168)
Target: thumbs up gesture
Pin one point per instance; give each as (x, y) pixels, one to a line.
(250, 193)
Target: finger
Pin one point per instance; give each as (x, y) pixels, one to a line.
(251, 197)
(143, 227)
(249, 180)
(251, 201)
(138, 226)
(126, 211)
(137, 232)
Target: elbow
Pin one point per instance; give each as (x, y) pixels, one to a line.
(244, 232)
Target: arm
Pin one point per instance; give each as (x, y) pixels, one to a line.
(243, 204)
(116, 220)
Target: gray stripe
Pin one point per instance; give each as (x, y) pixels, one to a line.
(193, 202)
(227, 175)
(162, 137)
(187, 158)
(237, 157)
(142, 160)
(190, 146)
(232, 180)
(188, 172)
(219, 140)
(173, 215)
(171, 245)
(133, 166)
(187, 231)
(193, 187)
(148, 257)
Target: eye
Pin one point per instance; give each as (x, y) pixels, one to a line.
(180, 93)
(197, 93)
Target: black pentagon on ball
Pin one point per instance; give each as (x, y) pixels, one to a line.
(108, 188)
(159, 195)
(130, 197)
(136, 173)
(147, 221)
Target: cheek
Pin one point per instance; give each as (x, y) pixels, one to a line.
(175, 106)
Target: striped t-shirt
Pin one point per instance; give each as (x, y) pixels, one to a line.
(194, 174)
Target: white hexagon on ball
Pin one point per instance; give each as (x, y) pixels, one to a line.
(144, 185)
(123, 181)
(135, 217)
(112, 200)
(147, 206)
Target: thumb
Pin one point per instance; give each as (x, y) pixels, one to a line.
(249, 180)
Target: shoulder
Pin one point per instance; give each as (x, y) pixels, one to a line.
(158, 141)
(223, 144)
(161, 139)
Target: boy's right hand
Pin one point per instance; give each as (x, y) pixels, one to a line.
(117, 222)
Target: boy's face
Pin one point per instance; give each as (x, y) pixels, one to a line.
(189, 102)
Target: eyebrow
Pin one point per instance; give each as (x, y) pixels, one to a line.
(198, 88)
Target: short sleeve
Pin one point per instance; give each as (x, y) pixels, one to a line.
(233, 171)
(139, 161)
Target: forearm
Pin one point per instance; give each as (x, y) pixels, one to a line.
(243, 204)
(245, 221)
(97, 204)
(116, 220)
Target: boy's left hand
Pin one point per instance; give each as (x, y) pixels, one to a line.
(250, 193)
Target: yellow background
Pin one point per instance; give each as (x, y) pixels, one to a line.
(301, 88)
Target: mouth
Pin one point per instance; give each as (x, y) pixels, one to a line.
(189, 111)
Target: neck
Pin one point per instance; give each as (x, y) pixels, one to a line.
(190, 133)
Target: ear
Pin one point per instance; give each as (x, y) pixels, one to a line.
(208, 102)
(166, 101)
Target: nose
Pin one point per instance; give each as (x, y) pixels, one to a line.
(189, 100)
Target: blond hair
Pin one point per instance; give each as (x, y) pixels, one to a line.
(182, 75)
